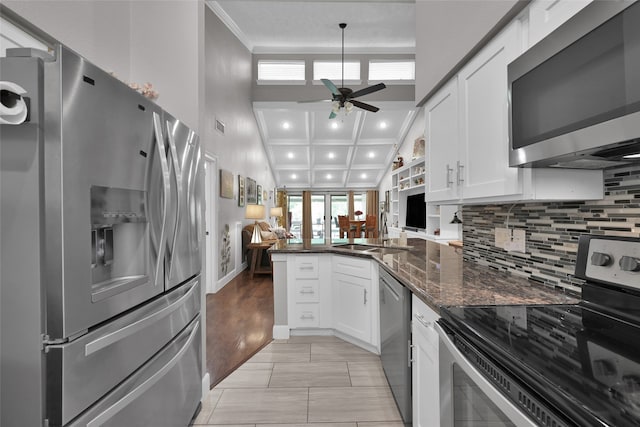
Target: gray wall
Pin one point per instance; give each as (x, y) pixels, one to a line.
(228, 77)
(140, 41)
(553, 229)
(463, 26)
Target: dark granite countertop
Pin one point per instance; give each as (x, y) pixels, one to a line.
(436, 273)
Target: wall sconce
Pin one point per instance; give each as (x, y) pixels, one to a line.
(255, 212)
(455, 219)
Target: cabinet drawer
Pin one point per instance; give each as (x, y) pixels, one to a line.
(305, 267)
(306, 315)
(352, 266)
(306, 290)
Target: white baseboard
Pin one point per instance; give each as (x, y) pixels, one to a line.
(206, 385)
(280, 332)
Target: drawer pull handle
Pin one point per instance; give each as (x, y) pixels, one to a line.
(420, 318)
(306, 268)
(306, 316)
(308, 292)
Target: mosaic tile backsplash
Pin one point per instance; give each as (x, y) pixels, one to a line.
(552, 230)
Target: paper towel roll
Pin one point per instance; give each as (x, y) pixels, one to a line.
(13, 109)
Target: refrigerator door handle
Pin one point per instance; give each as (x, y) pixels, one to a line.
(136, 326)
(157, 127)
(177, 174)
(121, 403)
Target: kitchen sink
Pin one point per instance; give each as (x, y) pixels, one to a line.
(386, 251)
(354, 247)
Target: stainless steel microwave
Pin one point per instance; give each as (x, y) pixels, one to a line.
(574, 98)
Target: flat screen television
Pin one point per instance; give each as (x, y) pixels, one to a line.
(416, 212)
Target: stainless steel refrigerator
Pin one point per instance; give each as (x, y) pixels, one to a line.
(100, 251)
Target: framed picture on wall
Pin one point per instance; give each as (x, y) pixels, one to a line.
(226, 184)
(252, 195)
(241, 190)
(259, 193)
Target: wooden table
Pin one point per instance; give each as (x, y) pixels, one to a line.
(358, 224)
(256, 258)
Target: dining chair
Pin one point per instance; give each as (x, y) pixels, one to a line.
(370, 226)
(343, 225)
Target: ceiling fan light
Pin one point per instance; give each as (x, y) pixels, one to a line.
(348, 107)
(335, 107)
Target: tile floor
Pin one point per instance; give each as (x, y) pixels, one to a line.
(304, 381)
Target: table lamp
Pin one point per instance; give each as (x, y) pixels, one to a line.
(255, 212)
(276, 213)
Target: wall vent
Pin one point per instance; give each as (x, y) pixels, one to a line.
(220, 126)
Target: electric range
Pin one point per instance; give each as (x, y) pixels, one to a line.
(565, 364)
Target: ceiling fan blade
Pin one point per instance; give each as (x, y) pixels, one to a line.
(329, 84)
(368, 90)
(332, 115)
(364, 106)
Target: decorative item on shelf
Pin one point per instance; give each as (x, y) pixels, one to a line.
(455, 219)
(418, 148)
(436, 232)
(255, 212)
(398, 163)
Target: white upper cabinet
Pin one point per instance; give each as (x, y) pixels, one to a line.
(483, 170)
(467, 132)
(547, 15)
(441, 130)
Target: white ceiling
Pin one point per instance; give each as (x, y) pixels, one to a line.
(350, 151)
(362, 151)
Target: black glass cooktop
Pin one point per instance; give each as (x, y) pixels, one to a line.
(581, 361)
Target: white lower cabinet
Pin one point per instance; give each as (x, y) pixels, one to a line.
(355, 299)
(425, 374)
(352, 306)
(329, 293)
(309, 291)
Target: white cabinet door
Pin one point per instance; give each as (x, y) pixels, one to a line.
(425, 373)
(484, 169)
(547, 15)
(441, 130)
(352, 302)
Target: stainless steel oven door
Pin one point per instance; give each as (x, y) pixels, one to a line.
(467, 398)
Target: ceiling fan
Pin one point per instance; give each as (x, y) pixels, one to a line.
(342, 97)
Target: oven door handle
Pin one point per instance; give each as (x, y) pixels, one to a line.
(456, 357)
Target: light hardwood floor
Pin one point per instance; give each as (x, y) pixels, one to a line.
(304, 381)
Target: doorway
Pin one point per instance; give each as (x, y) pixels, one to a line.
(210, 221)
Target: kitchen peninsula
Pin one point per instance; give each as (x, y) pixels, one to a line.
(434, 272)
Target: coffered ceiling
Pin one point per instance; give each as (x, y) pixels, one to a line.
(305, 148)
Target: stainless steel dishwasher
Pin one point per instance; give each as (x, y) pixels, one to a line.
(395, 341)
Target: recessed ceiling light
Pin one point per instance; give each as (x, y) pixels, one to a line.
(329, 176)
(632, 156)
(371, 154)
(294, 176)
(334, 125)
(290, 155)
(383, 125)
(363, 176)
(286, 125)
(331, 155)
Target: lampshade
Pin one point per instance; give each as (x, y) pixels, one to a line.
(276, 212)
(254, 212)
